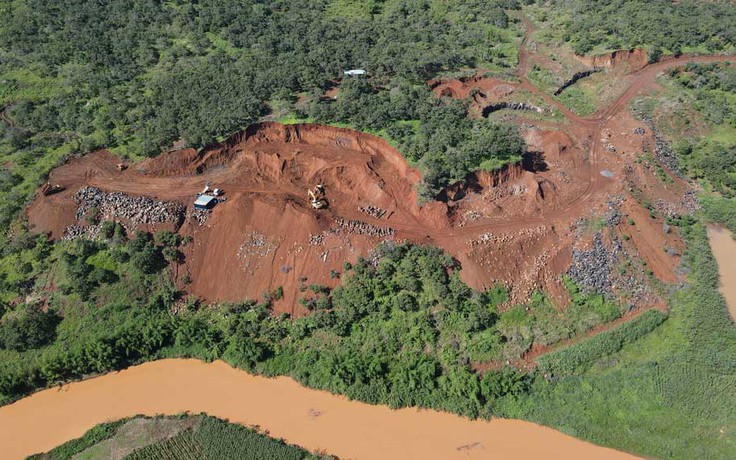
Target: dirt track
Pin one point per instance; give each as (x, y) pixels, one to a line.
(516, 226)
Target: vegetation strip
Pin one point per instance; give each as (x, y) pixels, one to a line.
(582, 355)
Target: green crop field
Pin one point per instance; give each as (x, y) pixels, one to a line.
(177, 438)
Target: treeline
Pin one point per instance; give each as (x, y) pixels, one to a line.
(108, 307)
(662, 26)
(435, 133)
(712, 84)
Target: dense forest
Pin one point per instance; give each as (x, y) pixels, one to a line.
(662, 26)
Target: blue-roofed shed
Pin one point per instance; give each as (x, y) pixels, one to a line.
(205, 202)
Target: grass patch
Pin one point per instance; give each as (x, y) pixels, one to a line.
(577, 100)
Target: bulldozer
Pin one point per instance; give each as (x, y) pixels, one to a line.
(317, 197)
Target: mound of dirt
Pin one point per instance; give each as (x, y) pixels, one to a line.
(634, 59)
(481, 90)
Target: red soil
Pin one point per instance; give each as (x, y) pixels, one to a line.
(634, 59)
(478, 86)
(516, 226)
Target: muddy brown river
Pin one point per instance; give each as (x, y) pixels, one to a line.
(724, 250)
(316, 420)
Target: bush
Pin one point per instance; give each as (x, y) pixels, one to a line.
(27, 327)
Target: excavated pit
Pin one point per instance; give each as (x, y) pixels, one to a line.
(266, 235)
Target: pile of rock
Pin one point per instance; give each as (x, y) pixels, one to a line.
(136, 210)
(372, 211)
(613, 214)
(666, 208)
(73, 232)
(256, 244)
(487, 110)
(577, 76)
(591, 269)
(317, 240)
(662, 149)
(199, 216)
(689, 202)
(255, 247)
(358, 227)
(490, 239)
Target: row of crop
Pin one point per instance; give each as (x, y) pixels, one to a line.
(581, 355)
(183, 446)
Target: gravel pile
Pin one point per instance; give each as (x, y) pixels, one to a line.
(358, 227)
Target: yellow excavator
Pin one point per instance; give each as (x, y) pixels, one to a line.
(317, 197)
(49, 189)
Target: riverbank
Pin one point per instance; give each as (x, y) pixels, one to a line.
(724, 250)
(315, 420)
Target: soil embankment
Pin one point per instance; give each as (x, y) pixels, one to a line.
(313, 419)
(724, 249)
(635, 59)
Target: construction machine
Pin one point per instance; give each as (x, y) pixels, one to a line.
(317, 197)
(49, 189)
(122, 166)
